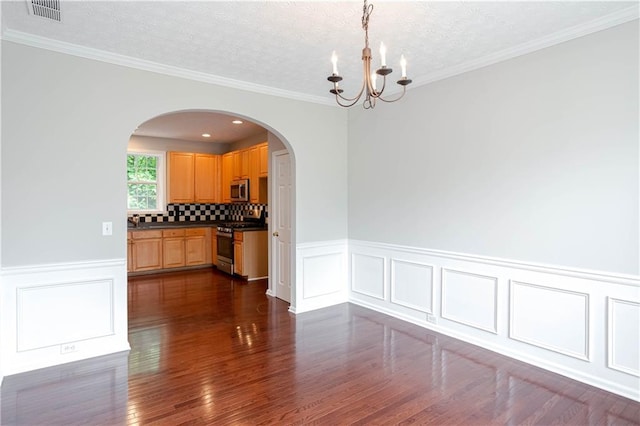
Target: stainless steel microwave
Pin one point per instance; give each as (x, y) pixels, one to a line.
(240, 190)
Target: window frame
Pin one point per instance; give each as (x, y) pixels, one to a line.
(161, 182)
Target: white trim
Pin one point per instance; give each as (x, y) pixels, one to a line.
(57, 267)
(141, 64)
(609, 277)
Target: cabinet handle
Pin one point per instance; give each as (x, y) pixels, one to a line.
(275, 234)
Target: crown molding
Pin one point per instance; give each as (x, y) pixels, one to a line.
(617, 18)
(620, 17)
(141, 64)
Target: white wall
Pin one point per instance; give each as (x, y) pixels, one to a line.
(533, 159)
(64, 141)
(74, 126)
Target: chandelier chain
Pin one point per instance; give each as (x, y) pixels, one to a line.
(366, 12)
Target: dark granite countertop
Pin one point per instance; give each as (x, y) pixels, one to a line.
(202, 224)
(171, 225)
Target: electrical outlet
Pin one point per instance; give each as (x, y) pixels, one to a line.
(67, 348)
(107, 228)
(432, 319)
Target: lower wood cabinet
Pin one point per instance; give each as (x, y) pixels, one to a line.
(173, 248)
(146, 250)
(150, 250)
(195, 243)
(250, 254)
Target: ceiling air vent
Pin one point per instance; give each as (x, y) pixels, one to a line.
(48, 9)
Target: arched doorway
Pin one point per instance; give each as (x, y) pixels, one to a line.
(218, 133)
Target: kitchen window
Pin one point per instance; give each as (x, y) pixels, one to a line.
(145, 182)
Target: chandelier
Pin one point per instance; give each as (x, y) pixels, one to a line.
(368, 88)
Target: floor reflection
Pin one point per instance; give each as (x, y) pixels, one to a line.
(92, 391)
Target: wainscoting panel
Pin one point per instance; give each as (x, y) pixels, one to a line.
(54, 314)
(470, 299)
(550, 318)
(321, 275)
(368, 275)
(405, 292)
(624, 326)
(74, 311)
(578, 323)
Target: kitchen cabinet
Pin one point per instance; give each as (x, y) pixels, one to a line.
(250, 254)
(254, 185)
(263, 162)
(237, 165)
(245, 164)
(238, 253)
(173, 252)
(146, 250)
(180, 172)
(193, 178)
(163, 249)
(195, 244)
(227, 176)
(206, 178)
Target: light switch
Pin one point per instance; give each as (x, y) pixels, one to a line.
(107, 228)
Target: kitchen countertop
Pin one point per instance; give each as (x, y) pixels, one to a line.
(202, 224)
(171, 225)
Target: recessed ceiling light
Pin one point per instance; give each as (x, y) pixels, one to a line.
(237, 121)
(206, 135)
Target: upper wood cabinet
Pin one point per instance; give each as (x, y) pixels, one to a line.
(193, 178)
(180, 172)
(207, 178)
(250, 163)
(227, 176)
(236, 169)
(254, 185)
(263, 162)
(245, 164)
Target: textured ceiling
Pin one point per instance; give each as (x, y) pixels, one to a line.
(286, 46)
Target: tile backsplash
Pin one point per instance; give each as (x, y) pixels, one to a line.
(201, 212)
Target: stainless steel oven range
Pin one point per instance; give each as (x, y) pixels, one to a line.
(251, 219)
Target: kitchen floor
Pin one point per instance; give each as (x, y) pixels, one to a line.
(210, 349)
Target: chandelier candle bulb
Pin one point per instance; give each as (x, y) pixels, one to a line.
(383, 55)
(403, 65)
(334, 61)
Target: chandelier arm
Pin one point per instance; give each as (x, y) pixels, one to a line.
(350, 102)
(404, 90)
(356, 98)
(378, 93)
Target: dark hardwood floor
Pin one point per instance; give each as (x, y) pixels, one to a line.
(207, 349)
